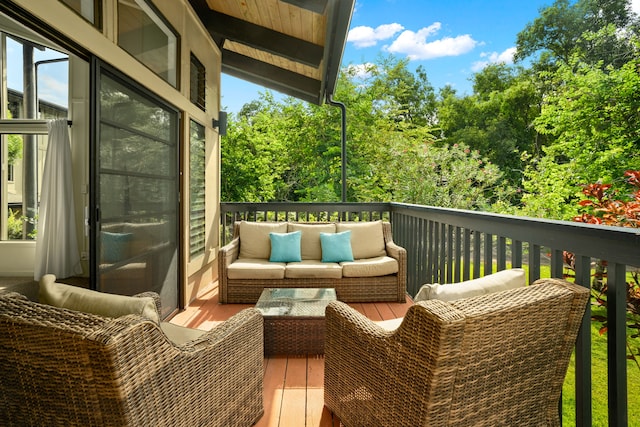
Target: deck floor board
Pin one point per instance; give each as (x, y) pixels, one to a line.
(293, 385)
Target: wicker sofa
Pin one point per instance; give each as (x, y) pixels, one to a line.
(66, 367)
(497, 359)
(377, 272)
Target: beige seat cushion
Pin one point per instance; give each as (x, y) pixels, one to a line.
(500, 281)
(367, 238)
(369, 267)
(89, 301)
(254, 238)
(313, 269)
(310, 247)
(179, 334)
(247, 268)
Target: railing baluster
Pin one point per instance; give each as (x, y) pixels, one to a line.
(534, 262)
(616, 344)
(458, 255)
(466, 267)
(436, 253)
(430, 256)
(557, 263)
(488, 253)
(583, 350)
(516, 253)
(442, 248)
(449, 261)
(476, 254)
(502, 253)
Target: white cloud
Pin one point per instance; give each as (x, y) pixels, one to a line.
(364, 36)
(416, 47)
(361, 71)
(506, 57)
(635, 6)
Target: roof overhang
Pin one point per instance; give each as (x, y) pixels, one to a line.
(291, 46)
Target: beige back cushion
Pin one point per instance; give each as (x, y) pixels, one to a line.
(367, 239)
(500, 281)
(254, 238)
(310, 247)
(94, 302)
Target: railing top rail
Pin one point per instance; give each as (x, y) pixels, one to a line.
(302, 206)
(593, 240)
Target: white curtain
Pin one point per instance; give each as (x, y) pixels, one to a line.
(56, 242)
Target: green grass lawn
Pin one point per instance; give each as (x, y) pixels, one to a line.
(599, 383)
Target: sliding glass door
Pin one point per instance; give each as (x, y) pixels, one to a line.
(135, 191)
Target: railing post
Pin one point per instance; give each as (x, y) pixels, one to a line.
(583, 350)
(616, 344)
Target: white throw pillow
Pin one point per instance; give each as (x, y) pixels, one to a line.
(500, 281)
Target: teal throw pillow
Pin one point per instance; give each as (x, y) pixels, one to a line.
(336, 247)
(285, 247)
(115, 246)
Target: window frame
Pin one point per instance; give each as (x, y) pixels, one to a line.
(166, 28)
(96, 20)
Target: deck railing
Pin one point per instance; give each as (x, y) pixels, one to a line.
(448, 245)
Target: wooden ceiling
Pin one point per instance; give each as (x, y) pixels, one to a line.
(292, 46)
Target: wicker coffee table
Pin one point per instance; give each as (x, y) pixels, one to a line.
(294, 319)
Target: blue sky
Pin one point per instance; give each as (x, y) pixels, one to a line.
(52, 77)
(450, 39)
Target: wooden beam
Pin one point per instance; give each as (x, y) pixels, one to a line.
(222, 26)
(317, 6)
(272, 77)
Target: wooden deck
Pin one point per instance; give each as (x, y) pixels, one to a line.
(293, 386)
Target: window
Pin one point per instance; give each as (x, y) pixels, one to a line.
(197, 82)
(34, 93)
(197, 161)
(146, 36)
(91, 10)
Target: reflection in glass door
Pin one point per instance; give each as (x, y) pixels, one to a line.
(136, 192)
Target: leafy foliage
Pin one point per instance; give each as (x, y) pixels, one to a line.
(592, 124)
(496, 119)
(564, 29)
(290, 151)
(608, 206)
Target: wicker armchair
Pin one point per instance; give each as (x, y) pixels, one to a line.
(492, 360)
(67, 368)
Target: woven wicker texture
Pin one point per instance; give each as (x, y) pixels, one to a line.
(294, 320)
(66, 368)
(392, 287)
(493, 360)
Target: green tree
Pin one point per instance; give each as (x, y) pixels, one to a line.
(251, 156)
(564, 28)
(449, 176)
(496, 120)
(291, 151)
(593, 123)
